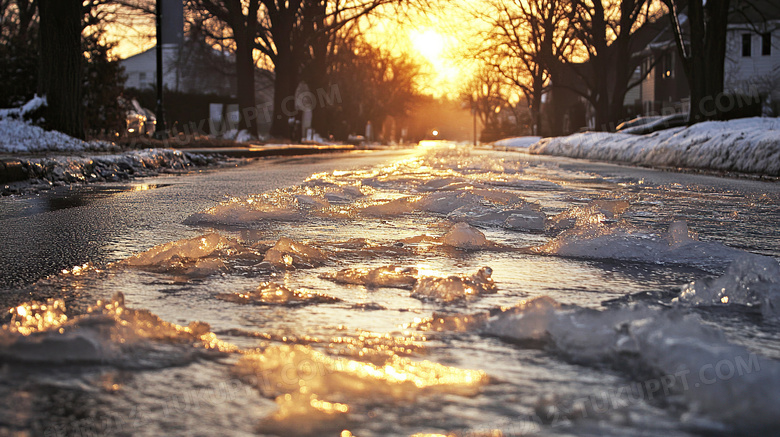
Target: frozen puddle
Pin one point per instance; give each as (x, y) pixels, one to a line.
(451, 293)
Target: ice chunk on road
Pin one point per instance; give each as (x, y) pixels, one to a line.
(464, 236)
(751, 280)
(445, 202)
(316, 393)
(192, 248)
(387, 276)
(109, 333)
(243, 213)
(394, 207)
(624, 242)
(290, 254)
(454, 287)
(686, 361)
(269, 293)
(193, 257)
(595, 212)
(526, 220)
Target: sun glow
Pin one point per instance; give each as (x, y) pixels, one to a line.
(433, 49)
(430, 44)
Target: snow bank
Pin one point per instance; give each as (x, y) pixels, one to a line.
(750, 145)
(517, 142)
(18, 135)
(42, 173)
(24, 111)
(21, 137)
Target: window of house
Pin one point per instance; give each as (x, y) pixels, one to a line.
(746, 44)
(141, 78)
(647, 65)
(766, 44)
(668, 66)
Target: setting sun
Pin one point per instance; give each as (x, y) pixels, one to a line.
(430, 44)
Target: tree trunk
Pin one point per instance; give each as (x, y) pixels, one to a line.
(245, 84)
(59, 77)
(285, 85)
(704, 65)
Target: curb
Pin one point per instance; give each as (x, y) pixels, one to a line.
(12, 170)
(265, 151)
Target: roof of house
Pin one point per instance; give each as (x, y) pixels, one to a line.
(754, 11)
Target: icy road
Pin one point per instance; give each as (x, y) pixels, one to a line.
(433, 291)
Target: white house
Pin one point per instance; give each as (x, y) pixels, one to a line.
(753, 50)
(141, 69)
(752, 64)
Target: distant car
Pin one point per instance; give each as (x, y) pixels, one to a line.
(646, 125)
(139, 120)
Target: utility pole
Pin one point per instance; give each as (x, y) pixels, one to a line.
(160, 132)
(474, 114)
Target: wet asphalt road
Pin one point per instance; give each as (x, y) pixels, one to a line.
(101, 223)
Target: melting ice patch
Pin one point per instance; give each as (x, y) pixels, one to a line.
(597, 211)
(423, 287)
(290, 254)
(193, 257)
(716, 384)
(716, 380)
(621, 241)
(751, 280)
(311, 199)
(316, 393)
(487, 207)
(269, 293)
(386, 276)
(455, 287)
(109, 333)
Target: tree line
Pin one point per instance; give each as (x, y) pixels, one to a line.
(53, 48)
(589, 48)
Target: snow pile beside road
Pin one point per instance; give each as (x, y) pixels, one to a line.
(34, 175)
(18, 135)
(750, 145)
(517, 142)
(24, 111)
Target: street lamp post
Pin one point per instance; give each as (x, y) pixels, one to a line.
(160, 131)
(474, 114)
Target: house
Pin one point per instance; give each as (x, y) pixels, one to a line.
(753, 52)
(199, 79)
(752, 64)
(664, 87)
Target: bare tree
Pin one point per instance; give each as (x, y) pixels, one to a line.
(59, 76)
(703, 51)
(373, 84)
(287, 33)
(526, 41)
(485, 93)
(612, 31)
(242, 20)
